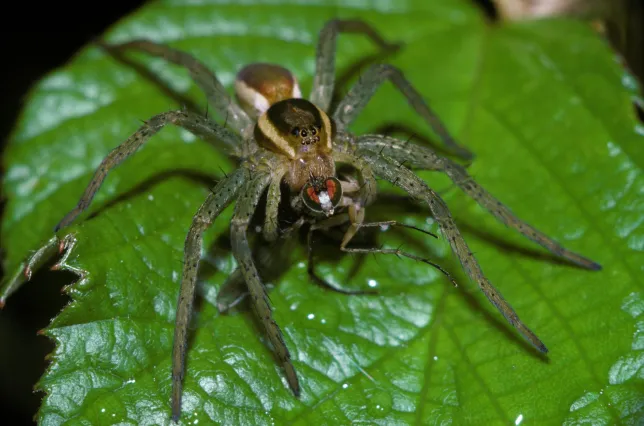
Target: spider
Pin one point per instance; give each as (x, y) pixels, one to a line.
(286, 143)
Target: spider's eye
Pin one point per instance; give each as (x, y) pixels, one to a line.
(322, 195)
(295, 131)
(303, 133)
(313, 131)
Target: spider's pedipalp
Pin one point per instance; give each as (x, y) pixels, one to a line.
(220, 197)
(324, 80)
(200, 126)
(424, 158)
(402, 177)
(244, 209)
(363, 90)
(204, 78)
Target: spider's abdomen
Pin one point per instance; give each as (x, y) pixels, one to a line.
(260, 85)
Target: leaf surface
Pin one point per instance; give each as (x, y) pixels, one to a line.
(546, 108)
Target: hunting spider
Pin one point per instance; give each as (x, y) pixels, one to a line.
(285, 141)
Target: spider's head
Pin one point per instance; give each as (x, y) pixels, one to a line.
(295, 128)
(322, 195)
(260, 85)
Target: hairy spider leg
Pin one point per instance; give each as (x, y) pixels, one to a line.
(324, 80)
(234, 289)
(220, 197)
(362, 91)
(424, 158)
(402, 177)
(273, 198)
(200, 126)
(246, 205)
(204, 78)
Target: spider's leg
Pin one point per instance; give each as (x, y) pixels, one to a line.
(244, 210)
(269, 256)
(404, 152)
(362, 91)
(204, 78)
(220, 197)
(273, 198)
(404, 178)
(324, 80)
(422, 157)
(200, 126)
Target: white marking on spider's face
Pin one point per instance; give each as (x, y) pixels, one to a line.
(325, 203)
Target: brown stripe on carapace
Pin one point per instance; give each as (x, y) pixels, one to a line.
(310, 192)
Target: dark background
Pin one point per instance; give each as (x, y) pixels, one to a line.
(36, 38)
(42, 38)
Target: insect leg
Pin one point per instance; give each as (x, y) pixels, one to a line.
(324, 80)
(331, 222)
(402, 177)
(244, 210)
(196, 124)
(221, 196)
(360, 94)
(204, 78)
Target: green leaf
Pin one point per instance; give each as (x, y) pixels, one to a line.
(545, 106)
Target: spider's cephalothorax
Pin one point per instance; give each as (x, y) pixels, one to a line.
(301, 132)
(281, 138)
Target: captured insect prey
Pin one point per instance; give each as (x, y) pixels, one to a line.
(289, 152)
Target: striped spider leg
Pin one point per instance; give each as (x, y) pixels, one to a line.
(353, 103)
(388, 159)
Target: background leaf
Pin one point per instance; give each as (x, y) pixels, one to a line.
(546, 108)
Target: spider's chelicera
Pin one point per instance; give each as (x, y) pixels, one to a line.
(282, 139)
